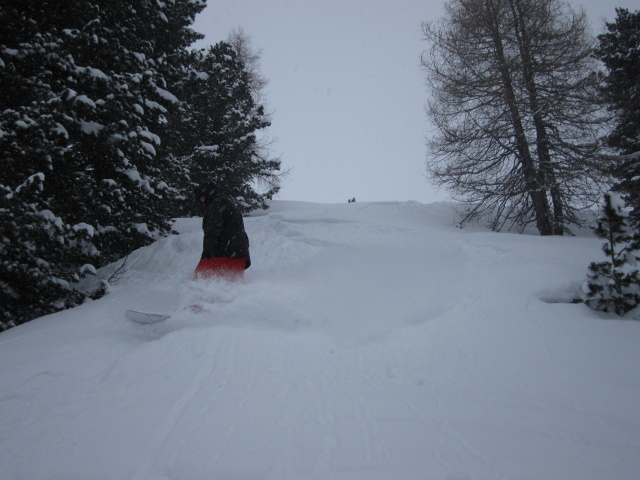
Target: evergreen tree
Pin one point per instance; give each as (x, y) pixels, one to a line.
(214, 133)
(83, 93)
(36, 278)
(619, 50)
(614, 285)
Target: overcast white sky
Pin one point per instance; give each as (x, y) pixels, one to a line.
(346, 90)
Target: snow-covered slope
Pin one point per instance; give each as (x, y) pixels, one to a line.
(368, 341)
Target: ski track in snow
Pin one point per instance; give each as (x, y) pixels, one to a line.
(368, 341)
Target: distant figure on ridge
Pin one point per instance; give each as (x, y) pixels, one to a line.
(225, 248)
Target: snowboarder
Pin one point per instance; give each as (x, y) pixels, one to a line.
(225, 249)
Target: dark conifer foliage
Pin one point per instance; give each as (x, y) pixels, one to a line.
(614, 285)
(214, 133)
(619, 50)
(83, 93)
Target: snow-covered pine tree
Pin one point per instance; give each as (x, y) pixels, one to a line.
(614, 285)
(619, 51)
(83, 91)
(35, 275)
(214, 134)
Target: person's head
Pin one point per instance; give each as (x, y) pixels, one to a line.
(206, 192)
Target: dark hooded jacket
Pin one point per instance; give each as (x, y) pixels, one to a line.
(224, 234)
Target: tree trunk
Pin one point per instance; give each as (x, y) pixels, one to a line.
(534, 187)
(546, 174)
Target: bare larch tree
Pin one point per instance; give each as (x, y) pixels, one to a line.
(514, 105)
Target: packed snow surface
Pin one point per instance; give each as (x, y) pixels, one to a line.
(368, 341)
